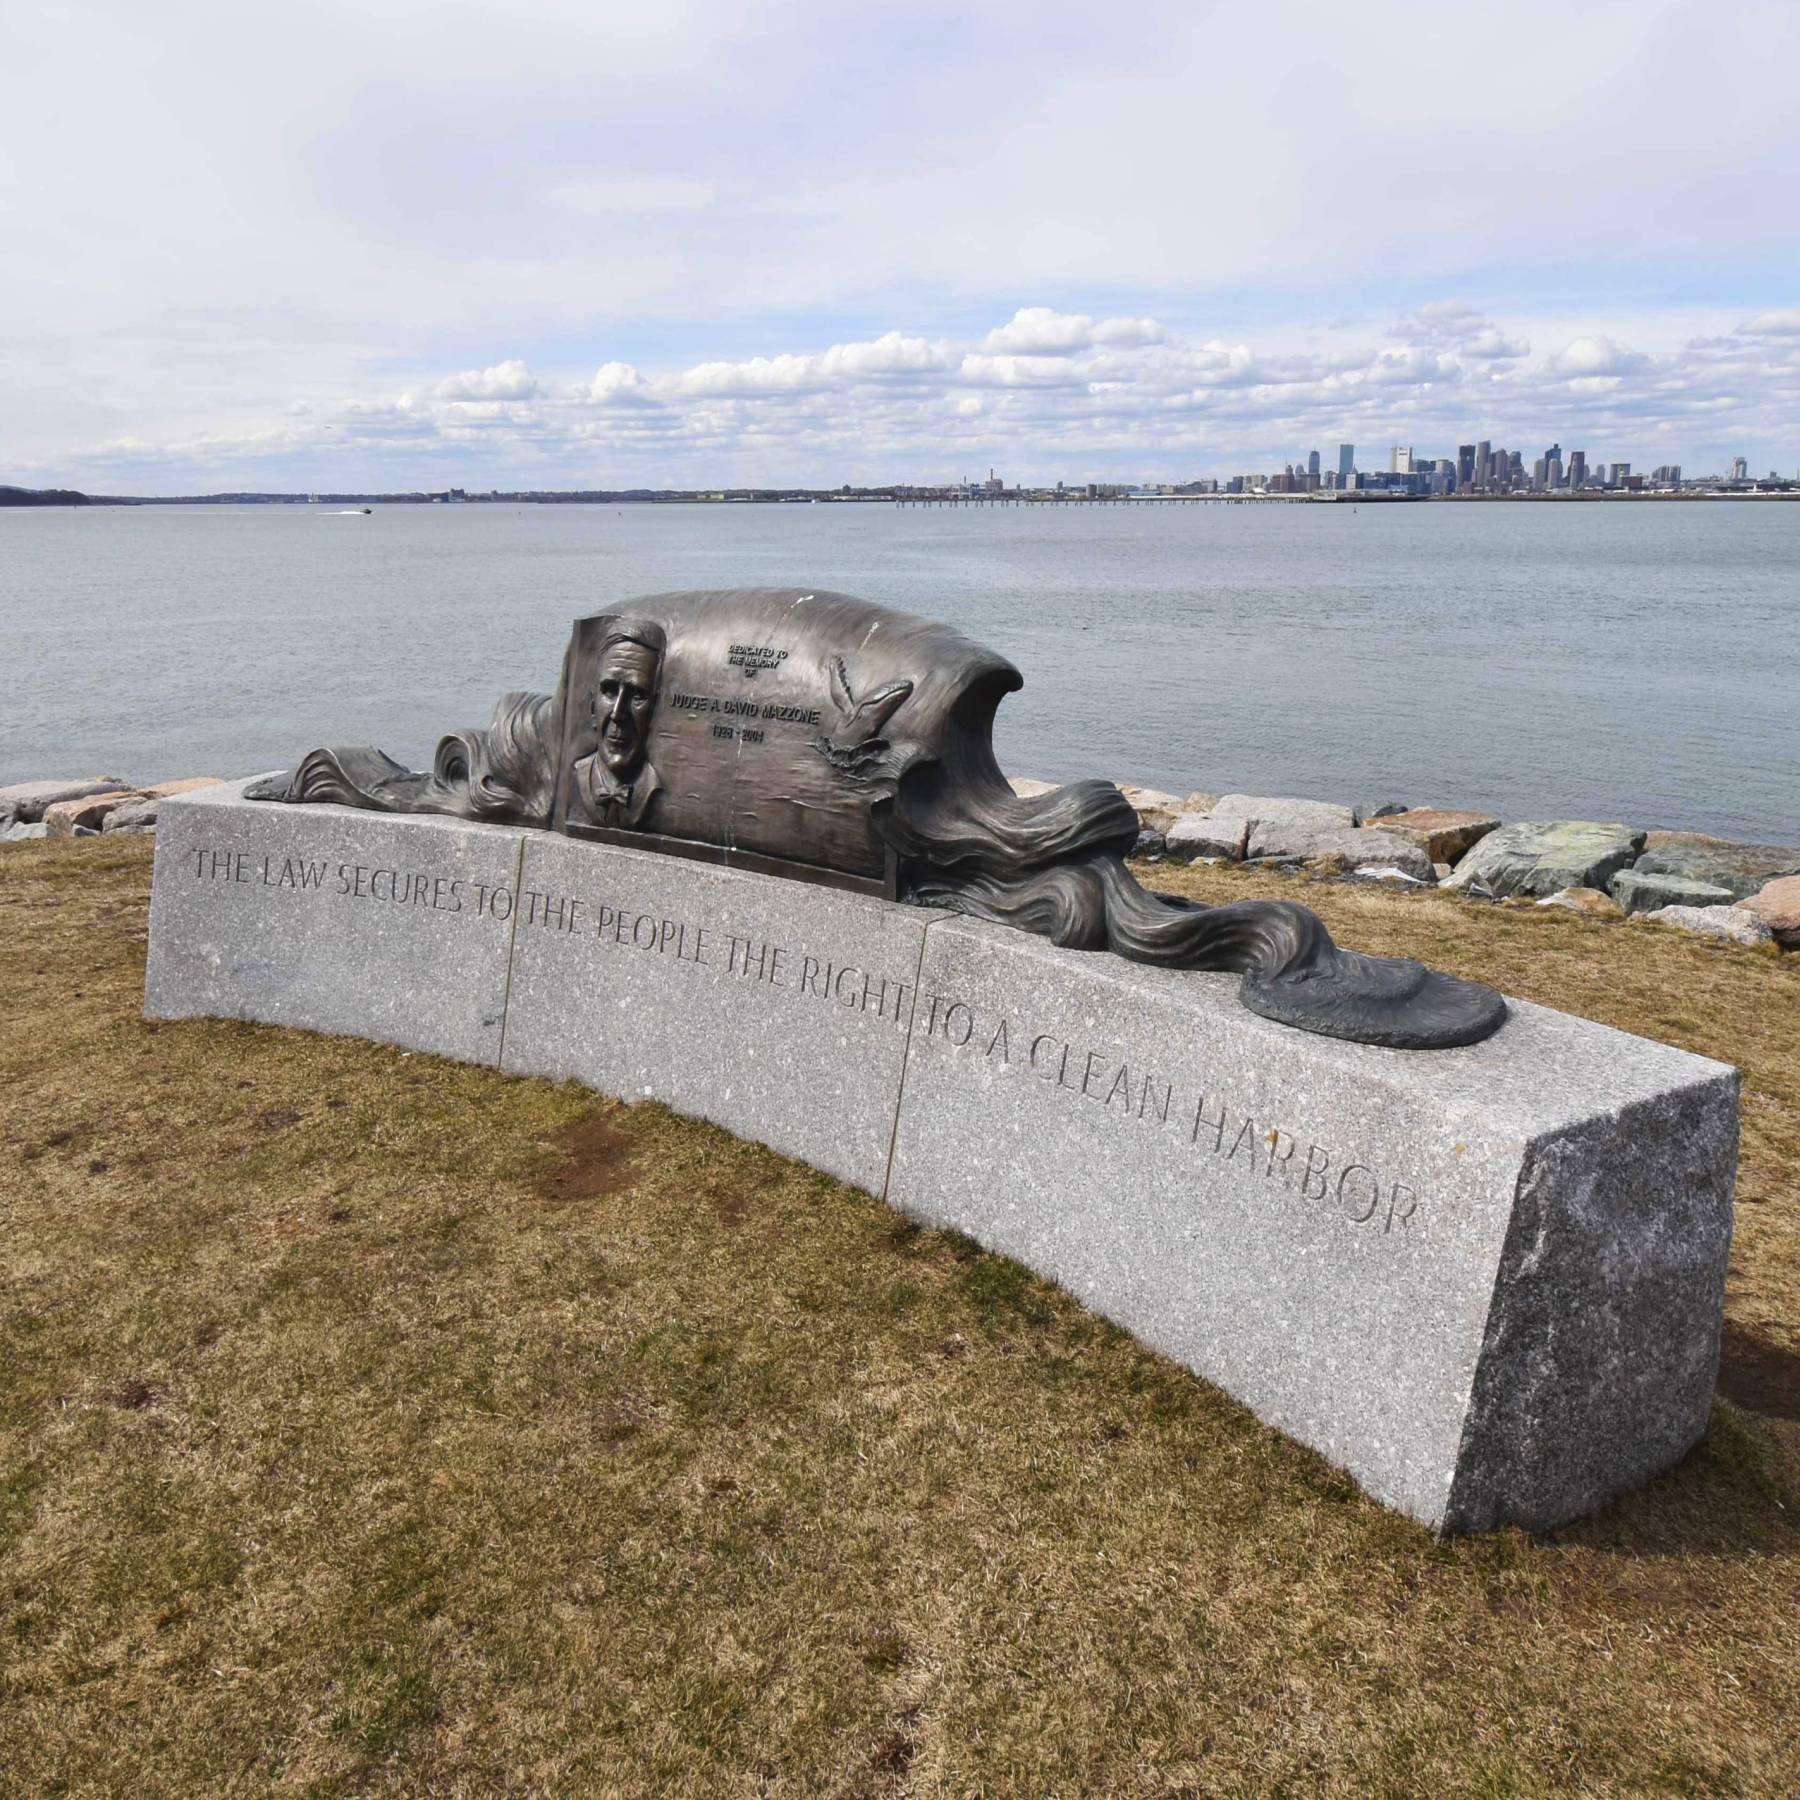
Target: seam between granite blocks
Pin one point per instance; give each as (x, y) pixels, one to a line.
(887, 1174)
(512, 941)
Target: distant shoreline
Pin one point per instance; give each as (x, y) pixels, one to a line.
(902, 497)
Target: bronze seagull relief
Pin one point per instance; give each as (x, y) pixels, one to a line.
(858, 736)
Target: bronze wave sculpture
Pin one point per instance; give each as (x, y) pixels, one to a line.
(817, 735)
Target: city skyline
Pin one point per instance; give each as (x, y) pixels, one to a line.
(560, 249)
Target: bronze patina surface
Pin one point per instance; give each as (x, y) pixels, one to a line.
(817, 735)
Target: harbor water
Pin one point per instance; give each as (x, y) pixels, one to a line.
(1638, 663)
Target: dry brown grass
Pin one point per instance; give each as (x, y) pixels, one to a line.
(370, 1424)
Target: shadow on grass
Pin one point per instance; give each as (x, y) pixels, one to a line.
(1732, 1495)
(1757, 1373)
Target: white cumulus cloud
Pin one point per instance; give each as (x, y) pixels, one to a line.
(1462, 327)
(1491, 345)
(509, 380)
(892, 354)
(1040, 331)
(1043, 331)
(613, 381)
(1596, 356)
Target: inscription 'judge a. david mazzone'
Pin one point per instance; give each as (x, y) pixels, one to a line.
(1315, 1173)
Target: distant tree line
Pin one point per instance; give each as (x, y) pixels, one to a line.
(18, 496)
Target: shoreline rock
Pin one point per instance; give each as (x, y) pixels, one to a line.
(1638, 892)
(1196, 835)
(66, 817)
(39, 809)
(1778, 906)
(25, 802)
(1545, 857)
(1156, 810)
(1730, 923)
(1356, 847)
(1446, 837)
(1276, 812)
(1742, 869)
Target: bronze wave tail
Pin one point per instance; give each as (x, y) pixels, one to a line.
(1055, 865)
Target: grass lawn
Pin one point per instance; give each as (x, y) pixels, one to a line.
(375, 1425)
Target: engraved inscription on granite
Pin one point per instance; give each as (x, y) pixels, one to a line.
(1487, 1281)
(765, 1006)
(397, 929)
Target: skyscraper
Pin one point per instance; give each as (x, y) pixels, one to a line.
(1577, 468)
(1400, 460)
(1740, 470)
(1465, 465)
(1482, 462)
(1312, 464)
(1346, 462)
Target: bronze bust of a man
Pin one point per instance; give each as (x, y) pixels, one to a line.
(615, 784)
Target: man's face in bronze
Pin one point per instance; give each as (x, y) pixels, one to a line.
(624, 699)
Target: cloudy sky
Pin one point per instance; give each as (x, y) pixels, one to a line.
(416, 242)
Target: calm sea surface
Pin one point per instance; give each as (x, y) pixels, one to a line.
(1605, 662)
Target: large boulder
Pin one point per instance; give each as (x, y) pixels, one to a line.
(19, 832)
(1156, 810)
(25, 802)
(1194, 835)
(1342, 846)
(77, 818)
(1027, 789)
(135, 813)
(1637, 892)
(1546, 858)
(1445, 836)
(1731, 923)
(1197, 802)
(1778, 906)
(1740, 868)
(1264, 809)
(1280, 827)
